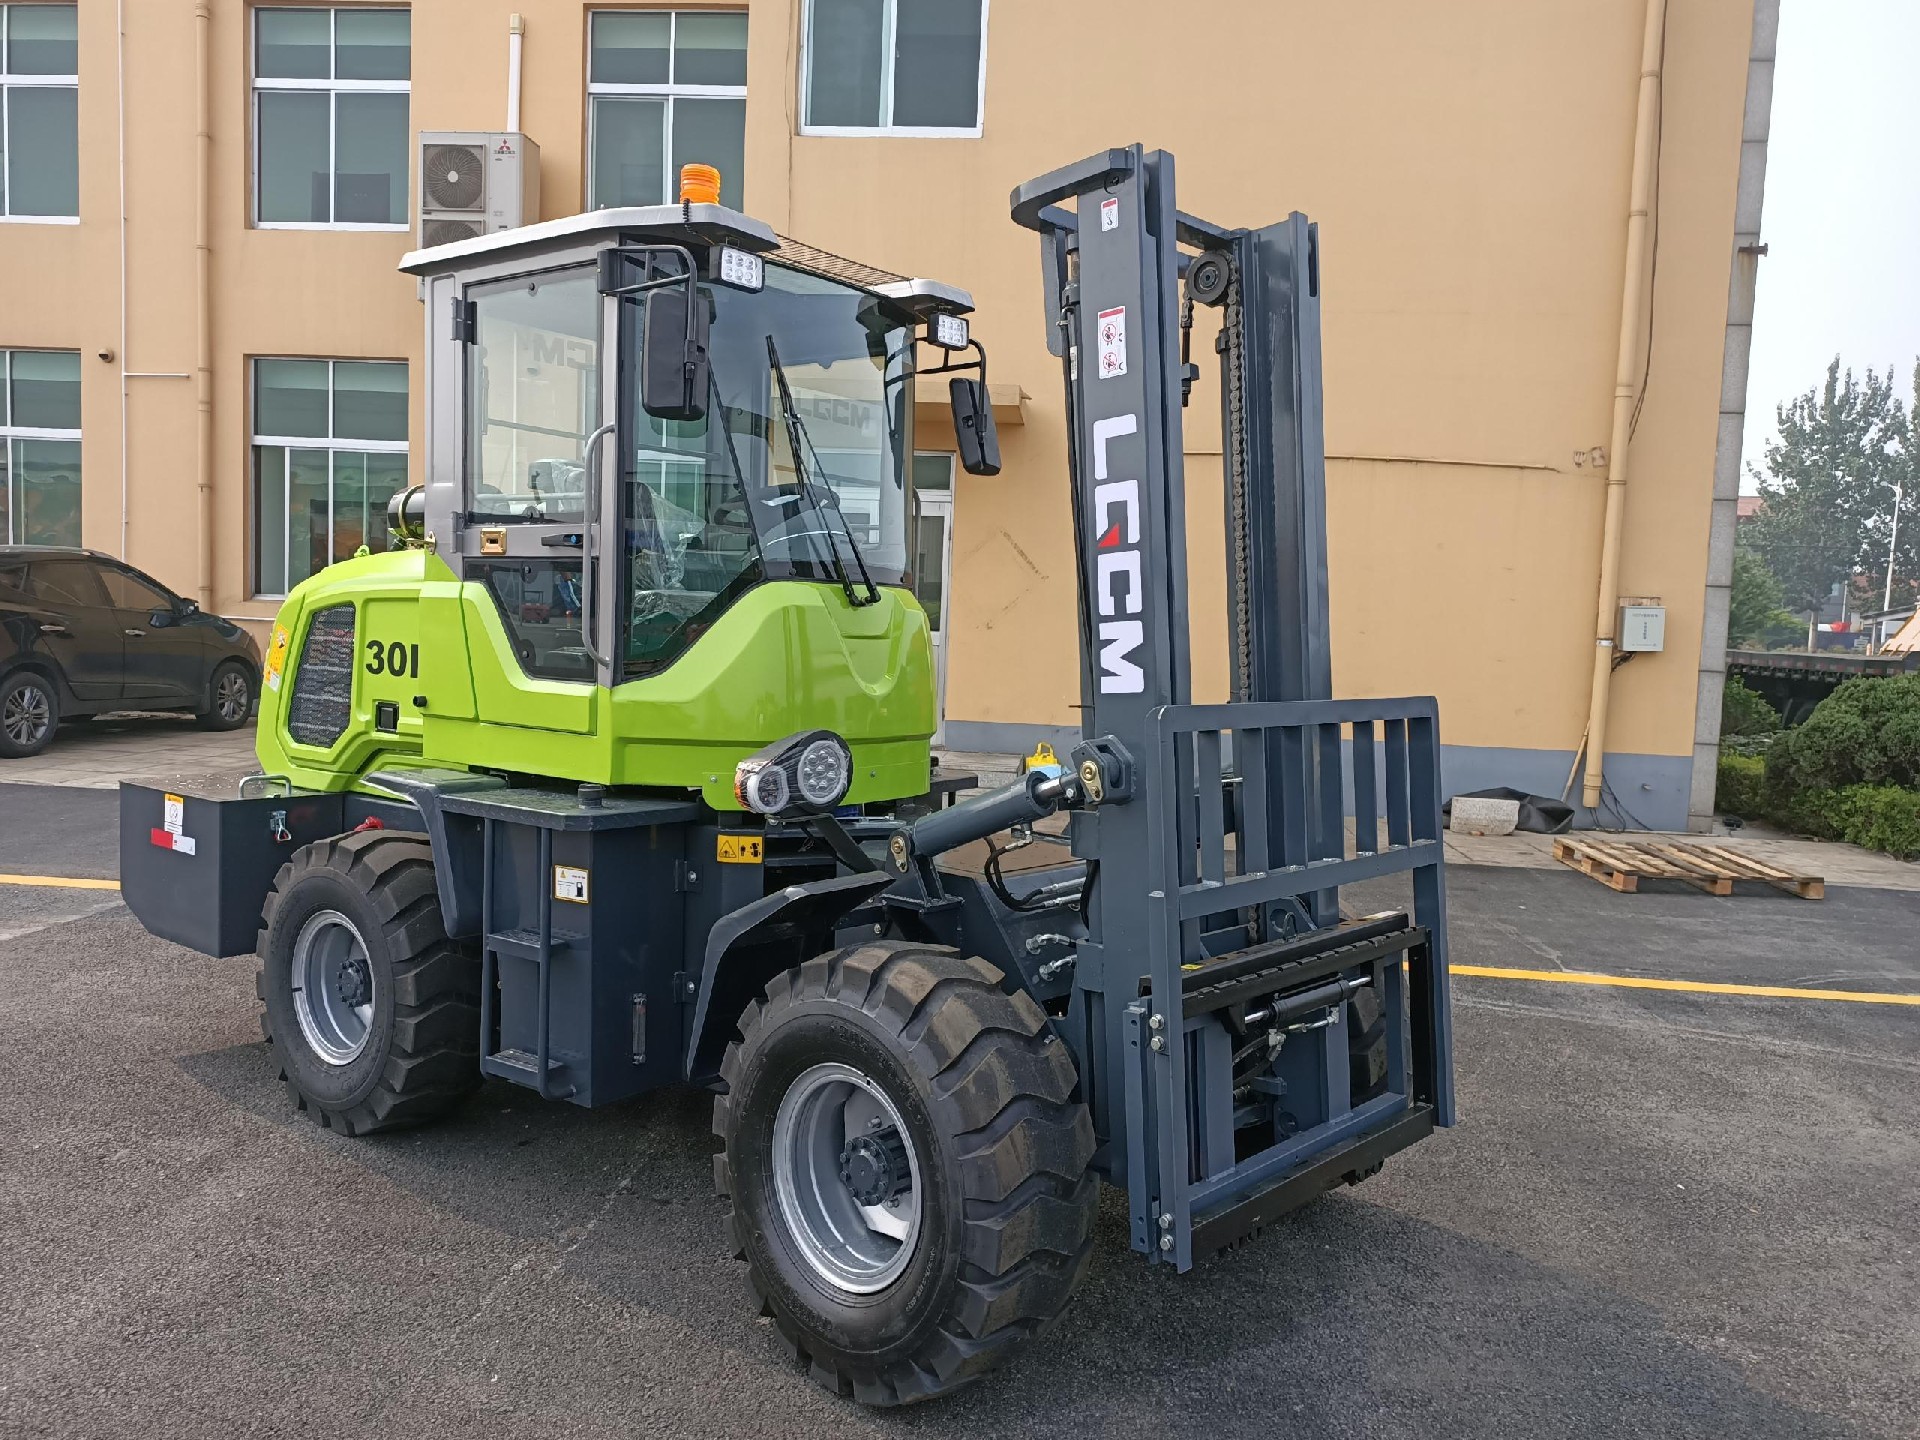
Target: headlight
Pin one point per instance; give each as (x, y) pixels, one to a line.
(811, 771)
(825, 771)
(762, 786)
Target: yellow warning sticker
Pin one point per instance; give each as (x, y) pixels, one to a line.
(739, 849)
(276, 657)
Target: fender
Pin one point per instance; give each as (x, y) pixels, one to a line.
(748, 946)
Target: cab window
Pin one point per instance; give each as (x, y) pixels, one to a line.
(533, 396)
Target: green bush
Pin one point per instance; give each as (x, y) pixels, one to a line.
(1745, 712)
(1866, 733)
(1741, 788)
(1881, 817)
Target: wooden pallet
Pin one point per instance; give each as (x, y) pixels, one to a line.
(1623, 864)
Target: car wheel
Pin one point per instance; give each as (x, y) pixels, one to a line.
(29, 713)
(231, 694)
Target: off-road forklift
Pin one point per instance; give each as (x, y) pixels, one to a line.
(614, 773)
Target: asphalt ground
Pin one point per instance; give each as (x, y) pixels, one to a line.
(1663, 1213)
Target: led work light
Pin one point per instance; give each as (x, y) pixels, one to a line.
(806, 773)
(949, 332)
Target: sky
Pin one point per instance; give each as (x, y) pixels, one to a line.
(1842, 218)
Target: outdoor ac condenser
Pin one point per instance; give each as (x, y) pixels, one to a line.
(473, 182)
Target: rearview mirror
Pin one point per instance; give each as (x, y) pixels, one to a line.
(973, 427)
(673, 355)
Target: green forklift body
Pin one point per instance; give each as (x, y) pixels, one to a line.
(391, 661)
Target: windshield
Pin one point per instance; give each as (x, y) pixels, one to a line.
(798, 471)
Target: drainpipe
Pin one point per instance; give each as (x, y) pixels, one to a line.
(516, 35)
(203, 252)
(1632, 303)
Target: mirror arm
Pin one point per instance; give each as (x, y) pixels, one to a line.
(948, 366)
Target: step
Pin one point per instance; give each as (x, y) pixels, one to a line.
(525, 944)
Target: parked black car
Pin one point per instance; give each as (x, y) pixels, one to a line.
(82, 634)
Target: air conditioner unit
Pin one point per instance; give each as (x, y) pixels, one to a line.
(473, 182)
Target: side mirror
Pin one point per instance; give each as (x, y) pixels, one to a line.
(973, 427)
(673, 355)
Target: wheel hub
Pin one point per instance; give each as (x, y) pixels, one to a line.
(874, 1167)
(332, 983)
(846, 1178)
(353, 983)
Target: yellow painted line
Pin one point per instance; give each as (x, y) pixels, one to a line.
(1701, 987)
(63, 882)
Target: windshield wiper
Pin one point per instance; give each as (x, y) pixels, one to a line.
(797, 438)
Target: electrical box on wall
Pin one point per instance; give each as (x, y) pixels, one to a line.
(1643, 627)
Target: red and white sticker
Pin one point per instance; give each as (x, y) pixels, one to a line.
(169, 836)
(1113, 342)
(1110, 214)
(167, 840)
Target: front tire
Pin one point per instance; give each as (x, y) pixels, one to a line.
(946, 1211)
(373, 1013)
(29, 714)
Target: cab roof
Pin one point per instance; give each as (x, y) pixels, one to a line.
(715, 223)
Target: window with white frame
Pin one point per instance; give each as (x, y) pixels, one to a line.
(39, 113)
(329, 451)
(40, 447)
(666, 88)
(894, 67)
(331, 137)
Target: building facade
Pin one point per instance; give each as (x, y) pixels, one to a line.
(212, 367)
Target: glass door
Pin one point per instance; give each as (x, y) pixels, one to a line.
(933, 564)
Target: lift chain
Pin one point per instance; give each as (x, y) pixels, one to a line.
(1231, 347)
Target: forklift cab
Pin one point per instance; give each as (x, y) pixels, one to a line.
(638, 415)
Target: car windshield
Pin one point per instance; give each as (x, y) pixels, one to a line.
(798, 471)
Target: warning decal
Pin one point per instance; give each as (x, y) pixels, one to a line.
(738, 849)
(276, 657)
(570, 884)
(169, 836)
(1110, 214)
(1113, 342)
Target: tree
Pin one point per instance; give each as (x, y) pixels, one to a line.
(1756, 619)
(1827, 485)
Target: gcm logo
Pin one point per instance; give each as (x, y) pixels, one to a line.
(1117, 558)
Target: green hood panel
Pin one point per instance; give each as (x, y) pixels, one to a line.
(787, 656)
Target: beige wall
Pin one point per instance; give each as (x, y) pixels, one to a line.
(1468, 165)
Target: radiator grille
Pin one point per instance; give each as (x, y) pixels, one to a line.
(322, 701)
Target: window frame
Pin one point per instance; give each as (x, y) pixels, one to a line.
(332, 443)
(888, 130)
(332, 87)
(667, 93)
(10, 81)
(10, 432)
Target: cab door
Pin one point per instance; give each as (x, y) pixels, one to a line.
(165, 659)
(78, 627)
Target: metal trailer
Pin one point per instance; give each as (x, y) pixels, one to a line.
(1177, 1008)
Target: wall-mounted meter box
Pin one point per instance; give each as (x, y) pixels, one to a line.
(1643, 626)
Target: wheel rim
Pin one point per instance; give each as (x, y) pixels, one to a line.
(230, 696)
(834, 1123)
(27, 715)
(333, 987)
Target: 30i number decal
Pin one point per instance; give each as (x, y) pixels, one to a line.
(392, 658)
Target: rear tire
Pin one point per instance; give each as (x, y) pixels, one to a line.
(975, 1098)
(29, 714)
(372, 1012)
(230, 697)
